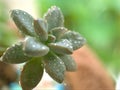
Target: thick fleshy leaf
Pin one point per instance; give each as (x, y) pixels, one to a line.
(15, 54)
(62, 47)
(31, 74)
(41, 29)
(54, 66)
(51, 38)
(32, 47)
(23, 21)
(54, 18)
(58, 32)
(69, 62)
(75, 38)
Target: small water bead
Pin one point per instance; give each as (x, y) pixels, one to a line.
(33, 45)
(32, 23)
(43, 47)
(17, 11)
(24, 13)
(61, 63)
(23, 19)
(53, 7)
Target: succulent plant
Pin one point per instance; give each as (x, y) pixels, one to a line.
(47, 45)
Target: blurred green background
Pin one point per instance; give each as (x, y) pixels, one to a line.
(7, 36)
(97, 20)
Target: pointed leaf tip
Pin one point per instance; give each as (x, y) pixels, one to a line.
(54, 18)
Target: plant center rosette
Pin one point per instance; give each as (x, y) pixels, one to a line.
(47, 45)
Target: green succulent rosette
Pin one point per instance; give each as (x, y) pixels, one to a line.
(47, 45)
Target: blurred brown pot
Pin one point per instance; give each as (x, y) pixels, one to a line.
(90, 74)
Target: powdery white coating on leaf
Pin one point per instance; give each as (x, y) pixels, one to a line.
(54, 18)
(62, 47)
(40, 27)
(59, 31)
(45, 39)
(15, 54)
(69, 62)
(33, 48)
(23, 21)
(75, 38)
(55, 67)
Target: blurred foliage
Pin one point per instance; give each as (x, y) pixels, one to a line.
(97, 20)
(8, 74)
(7, 36)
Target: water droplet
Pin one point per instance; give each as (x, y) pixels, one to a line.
(61, 62)
(23, 19)
(43, 47)
(13, 45)
(55, 44)
(58, 8)
(17, 11)
(33, 45)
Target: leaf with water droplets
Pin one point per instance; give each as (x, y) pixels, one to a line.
(31, 74)
(23, 21)
(69, 62)
(41, 29)
(75, 38)
(54, 66)
(58, 32)
(32, 47)
(62, 47)
(54, 18)
(15, 54)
